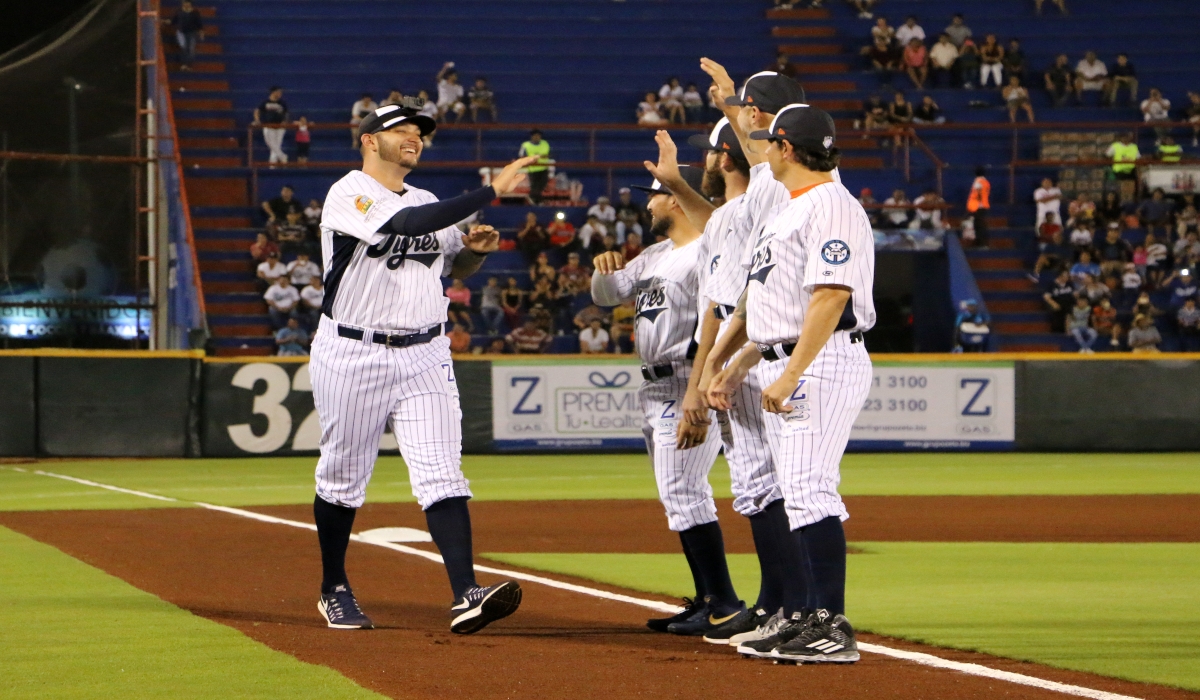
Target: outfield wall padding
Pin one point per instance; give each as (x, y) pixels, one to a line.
(18, 409)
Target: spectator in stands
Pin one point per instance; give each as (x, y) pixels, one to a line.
(601, 245)
(1017, 98)
(1114, 251)
(1060, 298)
(971, 328)
(272, 116)
(908, 31)
(958, 31)
(591, 313)
(782, 65)
(1054, 253)
(1110, 209)
(1048, 199)
(1083, 236)
(303, 140)
(1156, 108)
(1125, 155)
(541, 268)
(592, 230)
(574, 277)
(604, 211)
(562, 232)
(1081, 209)
(1156, 260)
(1187, 246)
(459, 309)
(1131, 279)
(649, 111)
(1079, 325)
(1093, 290)
(1104, 318)
(482, 98)
(1060, 4)
(1122, 75)
(490, 305)
(1082, 269)
(1168, 150)
(1188, 218)
(1187, 319)
(1156, 213)
(633, 246)
(916, 62)
(282, 300)
(1143, 337)
(395, 96)
(884, 59)
(532, 239)
(542, 316)
(928, 112)
(863, 7)
(450, 93)
(460, 339)
(311, 299)
(277, 209)
(1060, 81)
(189, 30)
(302, 270)
(629, 215)
(262, 248)
(896, 212)
(875, 114)
(512, 299)
(1091, 75)
(1014, 60)
(881, 31)
(497, 347)
(942, 58)
(670, 96)
(968, 64)
(623, 317)
(991, 58)
(428, 109)
(1182, 286)
(1049, 227)
(979, 206)
(528, 338)
(292, 233)
(291, 339)
(867, 199)
(364, 106)
(270, 271)
(1193, 116)
(928, 212)
(593, 339)
(539, 173)
(693, 104)
(900, 110)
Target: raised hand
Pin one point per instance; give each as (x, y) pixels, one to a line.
(666, 170)
(482, 239)
(720, 76)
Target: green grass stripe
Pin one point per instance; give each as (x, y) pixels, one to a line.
(72, 631)
(1125, 610)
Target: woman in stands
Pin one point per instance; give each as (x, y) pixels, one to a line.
(1017, 98)
(649, 111)
(900, 111)
(511, 300)
(541, 268)
(991, 55)
(671, 97)
(916, 62)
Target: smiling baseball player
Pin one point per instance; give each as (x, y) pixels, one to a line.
(380, 357)
(806, 305)
(663, 279)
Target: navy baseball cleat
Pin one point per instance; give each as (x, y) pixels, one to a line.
(743, 622)
(690, 608)
(826, 639)
(340, 610)
(713, 618)
(481, 606)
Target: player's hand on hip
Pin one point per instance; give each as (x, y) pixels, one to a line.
(482, 239)
(775, 397)
(666, 170)
(511, 176)
(720, 76)
(690, 435)
(695, 410)
(608, 262)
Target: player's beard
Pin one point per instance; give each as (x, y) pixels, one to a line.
(390, 153)
(660, 227)
(713, 185)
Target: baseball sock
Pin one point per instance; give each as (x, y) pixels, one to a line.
(708, 549)
(770, 537)
(333, 532)
(697, 579)
(450, 526)
(825, 544)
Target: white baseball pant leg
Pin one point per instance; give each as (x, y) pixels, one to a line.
(751, 467)
(808, 443)
(681, 475)
(358, 386)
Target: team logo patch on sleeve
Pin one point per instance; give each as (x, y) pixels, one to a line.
(363, 204)
(835, 252)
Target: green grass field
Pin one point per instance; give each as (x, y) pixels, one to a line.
(1104, 608)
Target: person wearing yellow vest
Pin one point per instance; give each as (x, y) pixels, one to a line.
(1124, 154)
(978, 205)
(1169, 151)
(539, 173)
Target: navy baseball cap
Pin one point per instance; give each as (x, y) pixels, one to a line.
(721, 139)
(391, 116)
(804, 126)
(769, 91)
(691, 175)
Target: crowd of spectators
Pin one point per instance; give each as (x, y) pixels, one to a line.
(1119, 274)
(674, 103)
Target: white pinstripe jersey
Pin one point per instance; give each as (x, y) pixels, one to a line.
(722, 275)
(821, 237)
(663, 278)
(382, 281)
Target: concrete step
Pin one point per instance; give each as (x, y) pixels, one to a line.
(220, 244)
(224, 331)
(221, 221)
(996, 264)
(222, 123)
(238, 284)
(1000, 306)
(213, 142)
(198, 85)
(1019, 284)
(203, 48)
(839, 68)
(803, 32)
(798, 14)
(185, 104)
(245, 308)
(243, 267)
(211, 161)
(217, 191)
(811, 49)
(240, 253)
(1022, 327)
(241, 234)
(197, 67)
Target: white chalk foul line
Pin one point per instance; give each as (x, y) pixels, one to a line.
(913, 656)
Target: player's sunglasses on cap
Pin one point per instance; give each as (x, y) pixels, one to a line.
(391, 116)
(721, 139)
(810, 128)
(691, 175)
(769, 91)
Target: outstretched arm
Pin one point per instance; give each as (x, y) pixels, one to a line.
(435, 216)
(695, 206)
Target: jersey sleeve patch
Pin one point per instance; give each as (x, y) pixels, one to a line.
(835, 252)
(363, 204)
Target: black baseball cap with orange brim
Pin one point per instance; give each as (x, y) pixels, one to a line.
(769, 91)
(722, 139)
(803, 126)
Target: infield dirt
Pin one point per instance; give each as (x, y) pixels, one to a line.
(260, 578)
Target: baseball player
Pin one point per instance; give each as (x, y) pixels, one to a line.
(756, 493)
(663, 278)
(806, 305)
(380, 357)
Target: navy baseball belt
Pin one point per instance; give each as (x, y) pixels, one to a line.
(392, 340)
(657, 372)
(771, 353)
(723, 311)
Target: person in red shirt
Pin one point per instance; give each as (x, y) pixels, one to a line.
(632, 247)
(262, 247)
(528, 338)
(562, 232)
(1050, 226)
(574, 277)
(460, 339)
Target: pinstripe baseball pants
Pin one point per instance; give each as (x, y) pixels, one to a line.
(681, 475)
(358, 386)
(807, 444)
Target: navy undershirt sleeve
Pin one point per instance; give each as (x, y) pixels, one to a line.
(435, 216)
